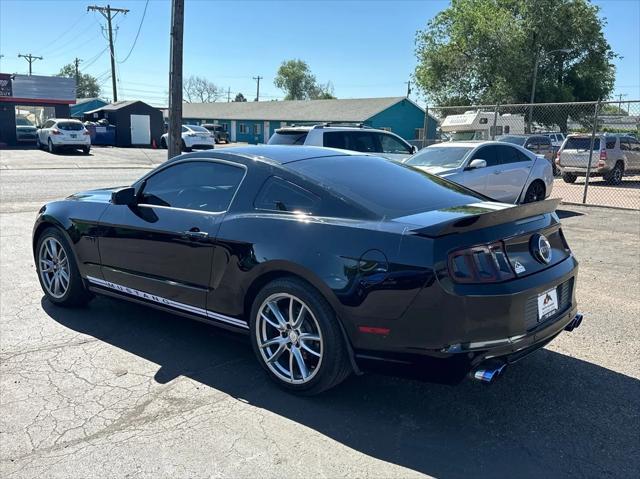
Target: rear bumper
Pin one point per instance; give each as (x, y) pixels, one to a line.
(580, 171)
(71, 143)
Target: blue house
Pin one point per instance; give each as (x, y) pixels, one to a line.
(84, 105)
(255, 122)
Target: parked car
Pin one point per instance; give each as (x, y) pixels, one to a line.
(538, 144)
(613, 156)
(218, 131)
(25, 130)
(556, 139)
(194, 137)
(299, 249)
(359, 138)
(59, 133)
(502, 171)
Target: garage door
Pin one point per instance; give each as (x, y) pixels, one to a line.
(140, 129)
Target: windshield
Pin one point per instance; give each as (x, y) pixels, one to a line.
(466, 135)
(442, 156)
(70, 126)
(581, 143)
(199, 129)
(291, 137)
(23, 122)
(388, 189)
(516, 140)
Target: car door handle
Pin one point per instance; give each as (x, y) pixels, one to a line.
(196, 234)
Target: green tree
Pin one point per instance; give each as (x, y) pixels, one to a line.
(87, 85)
(484, 51)
(294, 77)
(239, 97)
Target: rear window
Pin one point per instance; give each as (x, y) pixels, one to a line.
(284, 137)
(199, 129)
(70, 126)
(581, 143)
(611, 143)
(516, 140)
(388, 189)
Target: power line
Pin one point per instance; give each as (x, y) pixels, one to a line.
(137, 34)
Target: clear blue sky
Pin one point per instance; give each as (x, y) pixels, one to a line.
(365, 48)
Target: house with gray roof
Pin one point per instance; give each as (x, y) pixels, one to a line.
(255, 122)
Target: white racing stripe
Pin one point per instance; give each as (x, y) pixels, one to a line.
(168, 302)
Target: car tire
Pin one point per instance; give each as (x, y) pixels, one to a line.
(38, 144)
(614, 177)
(51, 147)
(535, 192)
(323, 356)
(86, 149)
(569, 177)
(62, 284)
(184, 147)
(163, 143)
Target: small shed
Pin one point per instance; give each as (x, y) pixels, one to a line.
(136, 122)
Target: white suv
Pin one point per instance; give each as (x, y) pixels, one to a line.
(58, 133)
(361, 138)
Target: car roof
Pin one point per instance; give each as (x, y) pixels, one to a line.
(329, 127)
(467, 143)
(280, 154)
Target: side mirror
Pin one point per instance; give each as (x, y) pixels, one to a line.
(124, 196)
(475, 164)
(414, 149)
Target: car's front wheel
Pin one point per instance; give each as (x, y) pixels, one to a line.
(57, 270)
(296, 337)
(569, 177)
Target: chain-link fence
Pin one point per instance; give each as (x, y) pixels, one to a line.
(593, 146)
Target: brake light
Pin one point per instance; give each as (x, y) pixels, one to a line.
(56, 132)
(480, 264)
(558, 158)
(86, 132)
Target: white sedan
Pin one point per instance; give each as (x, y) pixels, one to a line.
(193, 137)
(501, 171)
(58, 133)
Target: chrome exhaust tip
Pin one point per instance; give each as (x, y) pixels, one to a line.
(489, 372)
(574, 323)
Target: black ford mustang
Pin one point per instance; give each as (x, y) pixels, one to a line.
(331, 262)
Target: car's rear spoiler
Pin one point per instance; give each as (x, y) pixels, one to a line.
(486, 220)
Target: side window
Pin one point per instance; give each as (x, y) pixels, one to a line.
(635, 145)
(185, 129)
(488, 154)
(280, 195)
(625, 144)
(545, 142)
(611, 143)
(334, 139)
(48, 124)
(507, 154)
(363, 141)
(196, 185)
(390, 144)
(506, 129)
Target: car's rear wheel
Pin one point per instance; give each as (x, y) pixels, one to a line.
(57, 270)
(296, 337)
(163, 143)
(184, 147)
(52, 148)
(86, 149)
(38, 144)
(569, 177)
(614, 177)
(535, 192)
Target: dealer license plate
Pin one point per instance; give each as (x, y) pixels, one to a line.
(547, 304)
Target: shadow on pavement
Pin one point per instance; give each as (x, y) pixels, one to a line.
(551, 415)
(562, 214)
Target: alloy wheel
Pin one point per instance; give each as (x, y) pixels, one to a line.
(53, 264)
(289, 338)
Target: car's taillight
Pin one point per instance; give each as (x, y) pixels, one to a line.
(558, 158)
(86, 132)
(603, 155)
(56, 132)
(480, 264)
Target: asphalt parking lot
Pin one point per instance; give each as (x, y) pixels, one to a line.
(117, 390)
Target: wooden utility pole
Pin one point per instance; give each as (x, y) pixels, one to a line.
(228, 94)
(109, 14)
(408, 88)
(175, 79)
(76, 63)
(30, 58)
(258, 78)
